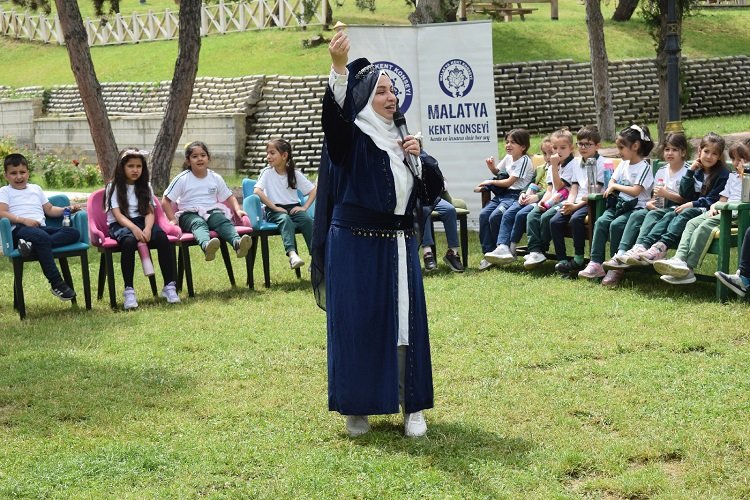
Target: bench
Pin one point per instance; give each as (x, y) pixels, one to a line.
(499, 10)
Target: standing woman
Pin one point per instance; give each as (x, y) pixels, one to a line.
(366, 269)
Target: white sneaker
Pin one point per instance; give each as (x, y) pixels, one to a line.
(415, 424)
(242, 246)
(500, 255)
(534, 259)
(672, 267)
(356, 425)
(685, 280)
(484, 264)
(295, 261)
(210, 248)
(169, 292)
(129, 298)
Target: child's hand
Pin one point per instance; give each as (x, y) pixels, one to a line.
(697, 165)
(173, 221)
(75, 207)
(567, 207)
(521, 198)
(241, 213)
(555, 160)
(712, 211)
(541, 207)
(661, 191)
(684, 206)
(650, 205)
(490, 162)
(138, 233)
(29, 222)
(147, 235)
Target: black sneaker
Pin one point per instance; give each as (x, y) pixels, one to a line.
(24, 248)
(453, 261)
(568, 267)
(62, 291)
(429, 263)
(732, 281)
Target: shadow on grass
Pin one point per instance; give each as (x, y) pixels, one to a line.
(461, 450)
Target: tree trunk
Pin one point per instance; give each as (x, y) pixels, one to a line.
(76, 42)
(605, 115)
(625, 10)
(661, 69)
(433, 11)
(180, 94)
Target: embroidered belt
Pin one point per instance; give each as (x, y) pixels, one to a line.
(382, 233)
(369, 223)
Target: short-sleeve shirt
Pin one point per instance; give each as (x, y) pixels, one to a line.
(191, 192)
(733, 188)
(522, 168)
(276, 186)
(27, 203)
(637, 174)
(132, 203)
(581, 178)
(567, 169)
(670, 180)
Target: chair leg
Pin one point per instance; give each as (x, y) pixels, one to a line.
(86, 279)
(65, 270)
(152, 281)
(252, 254)
(266, 260)
(185, 259)
(227, 262)
(298, 273)
(464, 234)
(111, 280)
(102, 276)
(18, 299)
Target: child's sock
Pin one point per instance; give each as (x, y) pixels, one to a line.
(578, 259)
(455, 250)
(745, 280)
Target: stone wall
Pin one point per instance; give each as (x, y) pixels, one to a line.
(541, 96)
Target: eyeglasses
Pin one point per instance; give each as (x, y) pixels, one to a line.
(584, 145)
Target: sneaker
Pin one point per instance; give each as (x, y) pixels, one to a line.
(484, 264)
(614, 263)
(242, 246)
(634, 256)
(568, 267)
(429, 262)
(633, 252)
(24, 248)
(415, 424)
(210, 248)
(454, 261)
(295, 261)
(613, 277)
(128, 297)
(533, 260)
(675, 267)
(592, 270)
(169, 292)
(675, 280)
(356, 425)
(657, 252)
(62, 291)
(501, 255)
(732, 281)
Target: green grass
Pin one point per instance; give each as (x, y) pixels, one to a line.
(274, 51)
(544, 388)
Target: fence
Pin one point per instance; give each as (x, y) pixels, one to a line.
(216, 19)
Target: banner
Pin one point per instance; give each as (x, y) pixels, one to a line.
(442, 75)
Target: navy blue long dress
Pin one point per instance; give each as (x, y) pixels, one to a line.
(360, 263)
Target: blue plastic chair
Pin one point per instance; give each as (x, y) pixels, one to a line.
(262, 229)
(78, 249)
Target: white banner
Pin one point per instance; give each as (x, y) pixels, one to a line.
(443, 77)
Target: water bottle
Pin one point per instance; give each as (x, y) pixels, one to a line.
(66, 217)
(746, 183)
(590, 164)
(658, 200)
(557, 198)
(148, 266)
(532, 189)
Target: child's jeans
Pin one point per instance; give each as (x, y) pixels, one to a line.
(490, 218)
(43, 239)
(447, 213)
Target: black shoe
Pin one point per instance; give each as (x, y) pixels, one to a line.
(429, 263)
(62, 291)
(24, 248)
(568, 267)
(453, 261)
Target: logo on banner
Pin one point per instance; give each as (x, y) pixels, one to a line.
(456, 78)
(402, 85)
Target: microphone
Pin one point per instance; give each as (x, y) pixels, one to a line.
(400, 121)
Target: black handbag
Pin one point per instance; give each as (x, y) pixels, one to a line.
(433, 182)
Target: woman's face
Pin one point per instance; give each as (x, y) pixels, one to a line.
(384, 102)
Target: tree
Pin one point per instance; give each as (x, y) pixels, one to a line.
(433, 11)
(624, 10)
(605, 114)
(181, 90)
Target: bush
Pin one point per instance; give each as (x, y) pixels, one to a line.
(75, 174)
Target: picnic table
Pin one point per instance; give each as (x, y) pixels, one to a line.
(506, 10)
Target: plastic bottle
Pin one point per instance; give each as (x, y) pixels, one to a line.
(148, 266)
(590, 165)
(532, 189)
(66, 217)
(557, 198)
(746, 183)
(658, 200)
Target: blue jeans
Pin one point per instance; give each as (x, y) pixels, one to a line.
(447, 214)
(513, 223)
(489, 220)
(43, 239)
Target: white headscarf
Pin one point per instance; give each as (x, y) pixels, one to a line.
(384, 134)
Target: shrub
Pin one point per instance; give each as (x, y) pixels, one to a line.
(74, 174)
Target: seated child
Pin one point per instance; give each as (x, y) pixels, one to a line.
(696, 238)
(559, 177)
(739, 282)
(574, 210)
(199, 192)
(512, 175)
(277, 189)
(628, 190)
(447, 214)
(513, 223)
(25, 206)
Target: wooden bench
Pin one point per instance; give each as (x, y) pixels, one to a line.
(501, 10)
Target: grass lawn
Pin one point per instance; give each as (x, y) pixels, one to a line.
(544, 388)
